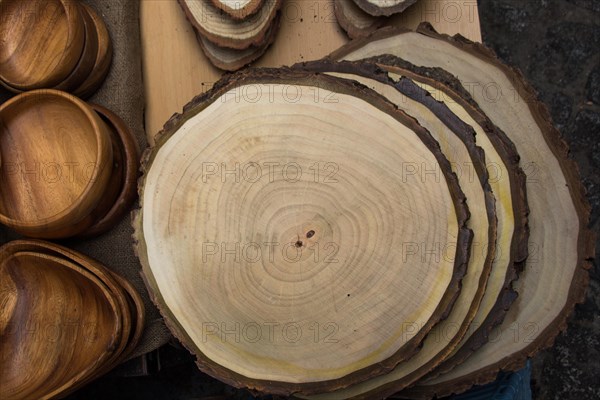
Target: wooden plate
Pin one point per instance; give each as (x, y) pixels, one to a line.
(42, 42)
(63, 323)
(56, 158)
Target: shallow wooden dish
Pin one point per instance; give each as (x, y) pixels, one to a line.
(86, 62)
(42, 42)
(123, 186)
(128, 300)
(56, 158)
(60, 322)
(103, 56)
(96, 269)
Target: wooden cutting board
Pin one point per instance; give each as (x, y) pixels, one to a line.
(175, 69)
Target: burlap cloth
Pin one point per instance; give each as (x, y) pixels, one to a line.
(123, 93)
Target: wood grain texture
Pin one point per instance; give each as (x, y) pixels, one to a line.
(384, 7)
(56, 163)
(232, 59)
(239, 9)
(103, 57)
(175, 69)
(382, 215)
(224, 31)
(87, 61)
(565, 246)
(457, 142)
(42, 42)
(508, 181)
(354, 21)
(63, 324)
(126, 155)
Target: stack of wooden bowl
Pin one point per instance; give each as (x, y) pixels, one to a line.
(65, 320)
(359, 18)
(60, 44)
(365, 224)
(233, 33)
(67, 168)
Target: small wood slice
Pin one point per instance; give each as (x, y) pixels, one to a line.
(223, 30)
(375, 302)
(42, 42)
(564, 247)
(125, 174)
(354, 20)
(231, 59)
(67, 323)
(457, 141)
(88, 57)
(239, 9)
(103, 57)
(384, 7)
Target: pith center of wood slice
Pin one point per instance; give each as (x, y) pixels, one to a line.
(299, 229)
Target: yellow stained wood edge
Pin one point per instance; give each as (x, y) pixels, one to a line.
(175, 69)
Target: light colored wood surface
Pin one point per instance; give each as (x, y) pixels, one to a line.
(176, 70)
(380, 300)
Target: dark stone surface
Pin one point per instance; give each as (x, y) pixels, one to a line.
(593, 85)
(556, 44)
(559, 52)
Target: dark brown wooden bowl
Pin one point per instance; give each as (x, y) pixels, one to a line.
(103, 57)
(56, 164)
(60, 322)
(86, 62)
(123, 190)
(42, 42)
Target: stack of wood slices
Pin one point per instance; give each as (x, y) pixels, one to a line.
(233, 33)
(360, 18)
(399, 217)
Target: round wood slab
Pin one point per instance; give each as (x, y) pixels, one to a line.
(555, 279)
(247, 267)
(457, 141)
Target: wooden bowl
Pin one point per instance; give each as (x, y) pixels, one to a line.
(88, 58)
(128, 300)
(56, 164)
(60, 323)
(103, 57)
(123, 187)
(96, 269)
(42, 42)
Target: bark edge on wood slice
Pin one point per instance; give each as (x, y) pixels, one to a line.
(353, 20)
(231, 59)
(459, 144)
(386, 8)
(242, 9)
(541, 126)
(227, 32)
(343, 88)
(447, 84)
